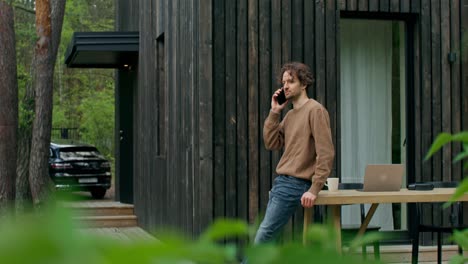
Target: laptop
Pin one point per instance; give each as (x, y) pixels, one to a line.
(383, 177)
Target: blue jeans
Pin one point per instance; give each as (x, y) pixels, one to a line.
(285, 197)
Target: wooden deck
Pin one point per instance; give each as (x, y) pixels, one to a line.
(402, 254)
(123, 234)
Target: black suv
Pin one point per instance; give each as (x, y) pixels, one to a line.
(79, 167)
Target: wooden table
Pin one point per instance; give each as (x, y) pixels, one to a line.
(345, 197)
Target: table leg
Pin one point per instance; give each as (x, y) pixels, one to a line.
(336, 218)
(308, 215)
(367, 220)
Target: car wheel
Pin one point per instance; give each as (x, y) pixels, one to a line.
(98, 193)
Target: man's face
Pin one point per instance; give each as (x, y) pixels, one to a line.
(292, 86)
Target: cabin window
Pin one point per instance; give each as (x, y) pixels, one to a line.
(373, 112)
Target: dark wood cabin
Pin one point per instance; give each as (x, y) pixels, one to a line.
(190, 113)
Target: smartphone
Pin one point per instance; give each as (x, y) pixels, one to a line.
(281, 98)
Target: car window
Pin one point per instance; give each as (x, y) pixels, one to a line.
(74, 154)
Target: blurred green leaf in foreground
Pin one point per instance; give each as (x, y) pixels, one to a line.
(51, 236)
(460, 237)
(446, 138)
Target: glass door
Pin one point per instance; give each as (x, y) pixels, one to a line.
(372, 101)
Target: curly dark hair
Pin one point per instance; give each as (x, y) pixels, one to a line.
(298, 69)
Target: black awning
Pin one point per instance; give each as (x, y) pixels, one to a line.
(102, 50)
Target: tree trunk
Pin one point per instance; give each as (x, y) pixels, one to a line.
(49, 20)
(8, 107)
(23, 191)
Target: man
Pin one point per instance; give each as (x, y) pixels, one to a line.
(308, 155)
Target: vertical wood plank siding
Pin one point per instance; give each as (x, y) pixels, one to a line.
(276, 61)
(205, 70)
(219, 108)
(446, 108)
(253, 108)
(320, 52)
(445, 86)
(455, 81)
(464, 72)
(266, 85)
(222, 58)
(395, 6)
(141, 113)
(230, 122)
(352, 5)
(436, 82)
(363, 5)
(416, 71)
(286, 30)
(404, 6)
(464, 63)
(242, 155)
(373, 6)
(384, 5)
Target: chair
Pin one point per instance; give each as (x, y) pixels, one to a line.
(455, 219)
(351, 230)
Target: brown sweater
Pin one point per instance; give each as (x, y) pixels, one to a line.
(306, 137)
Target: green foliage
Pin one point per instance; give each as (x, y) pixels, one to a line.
(461, 237)
(84, 98)
(26, 114)
(225, 228)
(442, 139)
(297, 253)
(74, 89)
(86, 16)
(25, 35)
(462, 189)
(43, 238)
(445, 138)
(322, 243)
(59, 118)
(368, 239)
(51, 236)
(97, 121)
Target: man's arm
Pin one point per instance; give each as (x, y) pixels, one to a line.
(273, 135)
(324, 149)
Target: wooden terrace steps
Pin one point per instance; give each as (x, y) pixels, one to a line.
(109, 219)
(106, 214)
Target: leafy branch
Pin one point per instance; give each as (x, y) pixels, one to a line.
(23, 8)
(443, 139)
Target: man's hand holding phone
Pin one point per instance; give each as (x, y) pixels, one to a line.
(278, 101)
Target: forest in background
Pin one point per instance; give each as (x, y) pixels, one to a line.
(83, 98)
